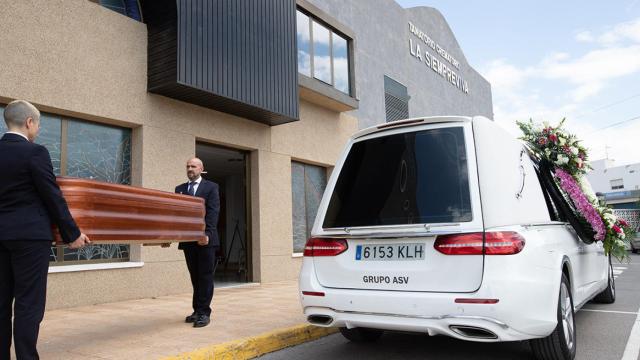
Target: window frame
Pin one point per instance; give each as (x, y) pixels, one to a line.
(64, 157)
(126, 9)
(333, 30)
(619, 184)
(309, 227)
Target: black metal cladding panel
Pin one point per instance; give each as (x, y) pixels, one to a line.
(162, 56)
(207, 99)
(242, 51)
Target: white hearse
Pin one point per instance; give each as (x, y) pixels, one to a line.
(445, 225)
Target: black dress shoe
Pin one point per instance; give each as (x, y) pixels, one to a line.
(191, 318)
(201, 321)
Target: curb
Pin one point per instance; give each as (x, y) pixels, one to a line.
(251, 347)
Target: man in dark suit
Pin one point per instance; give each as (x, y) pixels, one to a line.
(30, 200)
(201, 256)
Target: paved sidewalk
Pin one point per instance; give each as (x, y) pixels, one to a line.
(155, 328)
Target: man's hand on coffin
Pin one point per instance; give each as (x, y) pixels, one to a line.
(80, 242)
(204, 242)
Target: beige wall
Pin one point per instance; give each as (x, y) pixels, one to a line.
(75, 58)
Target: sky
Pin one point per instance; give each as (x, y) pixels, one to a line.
(549, 60)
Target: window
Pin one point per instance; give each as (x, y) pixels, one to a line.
(408, 178)
(129, 8)
(396, 100)
(617, 184)
(304, 44)
(552, 207)
(308, 183)
(92, 151)
(322, 53)
(340, 63)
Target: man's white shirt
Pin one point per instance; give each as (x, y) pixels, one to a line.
(195, 184)
(17, 133)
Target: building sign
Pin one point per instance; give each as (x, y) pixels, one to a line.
(442, 68)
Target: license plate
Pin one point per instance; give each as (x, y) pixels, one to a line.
(391, 252)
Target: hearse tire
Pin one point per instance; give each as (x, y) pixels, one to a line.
(360, 335)
(561, 344)
(608, 295)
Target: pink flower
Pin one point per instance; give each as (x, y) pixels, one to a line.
(617, 229)
(585, 208)
(542, 141)
(553, 137)
(623, 222)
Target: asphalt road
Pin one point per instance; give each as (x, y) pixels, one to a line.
(603, 333)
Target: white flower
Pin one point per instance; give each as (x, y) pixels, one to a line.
(587, 190)
(561, 140)
(574, 150)
(609, 220)
(547, 152)
(562, 159)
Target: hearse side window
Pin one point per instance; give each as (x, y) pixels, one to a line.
(554, 212)
(415, 177)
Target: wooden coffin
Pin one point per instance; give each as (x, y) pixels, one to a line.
(113, 213)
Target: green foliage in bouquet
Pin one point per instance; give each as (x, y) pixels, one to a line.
(557, 146)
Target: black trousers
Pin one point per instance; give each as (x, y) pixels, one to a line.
(201, 262)
(23, 277)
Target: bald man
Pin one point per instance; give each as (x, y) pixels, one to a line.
(30, 200)
(201, 256)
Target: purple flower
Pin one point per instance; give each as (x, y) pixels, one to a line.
(585, 208)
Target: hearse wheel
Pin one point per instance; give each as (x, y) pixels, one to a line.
(361, 334)
(561, 344)
(608, 295)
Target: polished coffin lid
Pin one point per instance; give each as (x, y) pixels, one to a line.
(110, 213)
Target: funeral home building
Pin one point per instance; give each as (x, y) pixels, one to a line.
(266, 93)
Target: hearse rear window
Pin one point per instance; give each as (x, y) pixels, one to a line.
(415, 177)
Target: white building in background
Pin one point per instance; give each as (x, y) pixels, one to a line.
(619, 184)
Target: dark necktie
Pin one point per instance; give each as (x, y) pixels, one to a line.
(191, 189)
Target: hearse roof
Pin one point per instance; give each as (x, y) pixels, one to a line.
(411, 122)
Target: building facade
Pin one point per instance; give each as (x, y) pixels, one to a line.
(619, 185)
(265, 93)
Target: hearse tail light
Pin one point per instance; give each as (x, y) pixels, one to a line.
(494, 243)
(460, 244)
(503, 243)
(325, 247)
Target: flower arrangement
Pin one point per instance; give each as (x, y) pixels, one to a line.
(569, 159)
(554, 144)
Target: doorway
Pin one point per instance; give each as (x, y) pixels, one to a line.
(228, 168)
